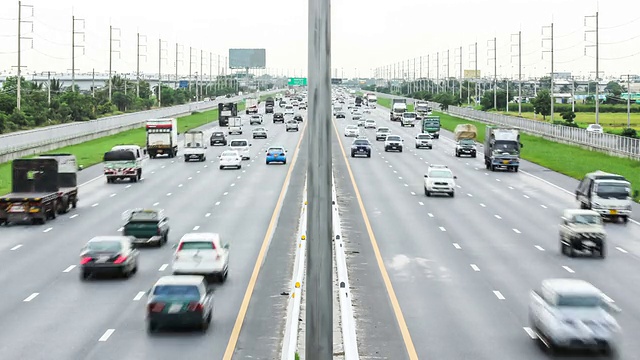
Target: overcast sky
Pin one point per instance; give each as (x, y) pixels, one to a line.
(365, 34)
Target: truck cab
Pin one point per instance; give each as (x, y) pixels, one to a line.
(607, 194)
(408, 119)
(582, 230)
(502, 148)
(194, 146)
(398, 107)
(573, 314)
(146, 226)
(431, 125)
(162, 137)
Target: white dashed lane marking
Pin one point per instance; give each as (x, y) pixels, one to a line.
(457, 246)
(498, 217)
(47, 230)
(217, 203)
(498, 294)
(73, 216)
(155, 204)
(128, 186)
(107, 334)
(15, 247)
(71, 267)
(163, 267)
(168, 194)
(207, 214)
(138, 296)
(475, 267)
(568, 269)
(617, 247)
(94, 205)
(31, 297)
(421, 203)
(526, 196)
(442, 229)
(539, 248)
(543, 206)
(225, 193)
(195, 228)
(516, 231)
(112, 195)
(483, 205)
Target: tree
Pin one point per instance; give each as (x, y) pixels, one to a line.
(542, 103)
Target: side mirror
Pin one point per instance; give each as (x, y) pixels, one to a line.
(80, 167)
(636, 193)
(455, 177)
(166, 219)
(521, 145)
(225, 246)
(206, 147)
(426, 176)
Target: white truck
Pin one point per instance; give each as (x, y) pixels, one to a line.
(465, 138)
(573, 314)
(235, 125)
(421, 108)
(195, 147)
(162, 137)
(372, 100)
(408, 119)
(582, 230)
(124, 162)
(398, 107)
(607, 194)
(251, 105)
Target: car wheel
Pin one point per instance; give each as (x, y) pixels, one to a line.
(426, 192)
(284, 162)
(353, 154)
(84, 275)
(221, 167)
(452, 194)
(152, 327)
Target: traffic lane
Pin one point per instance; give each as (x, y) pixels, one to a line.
(435, 285)
(141, 282)
(25, 273)
(496, 257)
(233, 225)
(377, 330)
(264, 324)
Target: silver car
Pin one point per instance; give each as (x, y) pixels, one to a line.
(259, 132)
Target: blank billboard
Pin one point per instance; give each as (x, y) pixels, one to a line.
(247, 58)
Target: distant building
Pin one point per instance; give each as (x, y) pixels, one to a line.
(562, 75)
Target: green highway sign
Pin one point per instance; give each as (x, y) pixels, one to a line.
(297, 81)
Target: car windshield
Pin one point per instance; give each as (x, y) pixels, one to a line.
(370, 121)
(596, 127)
(467, 142)
(424, 136)
(258, 129)
(383, 130)
(239, 143)
(361, 142)
(579, 301)
(587, 219)
(197, 245)
(177, 290)
(217, 134)
(612, 190)
(230, 154)
(441, 174)
(144, 216)
(275, 150)
(351, 127)
(409, 115)
(105, 246)
(393, 138)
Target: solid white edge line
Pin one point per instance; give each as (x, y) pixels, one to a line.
(292, 325)
(348, 322)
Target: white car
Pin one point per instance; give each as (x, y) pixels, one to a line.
(595, 128)
(242, 147)
(292, 125)
(382, 132)
(393, 142)
(366, 111)
(259, 132)
(361, 123)
(201, 254)
(288, 110)
(370, 124)
(439, 180)
(255, 119)
(230, 159)
(424, 140)
(351, 131)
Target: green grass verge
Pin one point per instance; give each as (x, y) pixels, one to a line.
(91, 152)
(386, 102)
(566, 159)
(610, 121)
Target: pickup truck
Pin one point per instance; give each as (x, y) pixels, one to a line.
(582, 230)
(573, 314)
(146, 226)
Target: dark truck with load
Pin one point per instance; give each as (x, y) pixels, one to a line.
(41, 188)
(502, 148)
(269, 103)
(226, 111)
(358, 100)
(146, 226)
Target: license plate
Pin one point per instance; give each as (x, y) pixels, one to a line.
(160, 151)
(505, 161)
(19, 208)
(175, 308)
(360, 150)
(102, 259)
(589, 243)
(613, 212)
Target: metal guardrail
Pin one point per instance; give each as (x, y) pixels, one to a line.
(609, 143)
(29, 139)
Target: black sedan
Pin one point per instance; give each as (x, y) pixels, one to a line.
(298, 118)
(218, 138)
(278, 117)
(361, 147)
(108, 255)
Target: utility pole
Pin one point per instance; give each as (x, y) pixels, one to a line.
(162, 55)
(201, 74)
(111, 51)
(414, 75)
(48, 84)
(138, 55)
(597, 46)
(438, 72)
(209, 85)
(193, 60)
(475, 93)
(73, 48)
(93, 82)
(429, 87)
(573, 94)
(628, 100)
(319, 287)
(179, 53)
(218, 77)
(473, 61)
(460, 78)
(20, 38)
(495, 70)
(448, 76)
(519, 45)
(550, 38)
(421, 80)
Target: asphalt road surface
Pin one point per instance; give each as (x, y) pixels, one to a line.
(48, 313)
(462, 268)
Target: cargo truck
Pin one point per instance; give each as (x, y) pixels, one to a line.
(502, 148)
(162, 137)
(194, 146)
(123, 162)
(421, 108)
(235, 125)
(465, 138)
(431, 125)
(39, 190)
(398, 107)
(371, 100)
(225, 111)
(269, 105)
(609, 195)
(251, 106)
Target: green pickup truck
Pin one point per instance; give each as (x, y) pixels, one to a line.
(148, 227)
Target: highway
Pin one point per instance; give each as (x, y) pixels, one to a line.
(48, 313)
(462, 268)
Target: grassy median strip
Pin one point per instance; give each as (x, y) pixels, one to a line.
(566, 159)
(610, 121)
(91, 152)
(386, 102)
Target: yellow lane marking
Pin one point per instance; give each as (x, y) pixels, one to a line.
(406, 336)
(237, 327)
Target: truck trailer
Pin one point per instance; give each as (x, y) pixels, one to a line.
(502, 148)
(162, 137)
(225, 111)
(398, 107)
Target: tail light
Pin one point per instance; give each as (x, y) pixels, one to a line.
(120, 259)
(159, 231)
(85, 260)
(155, 307)
(195, 306)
